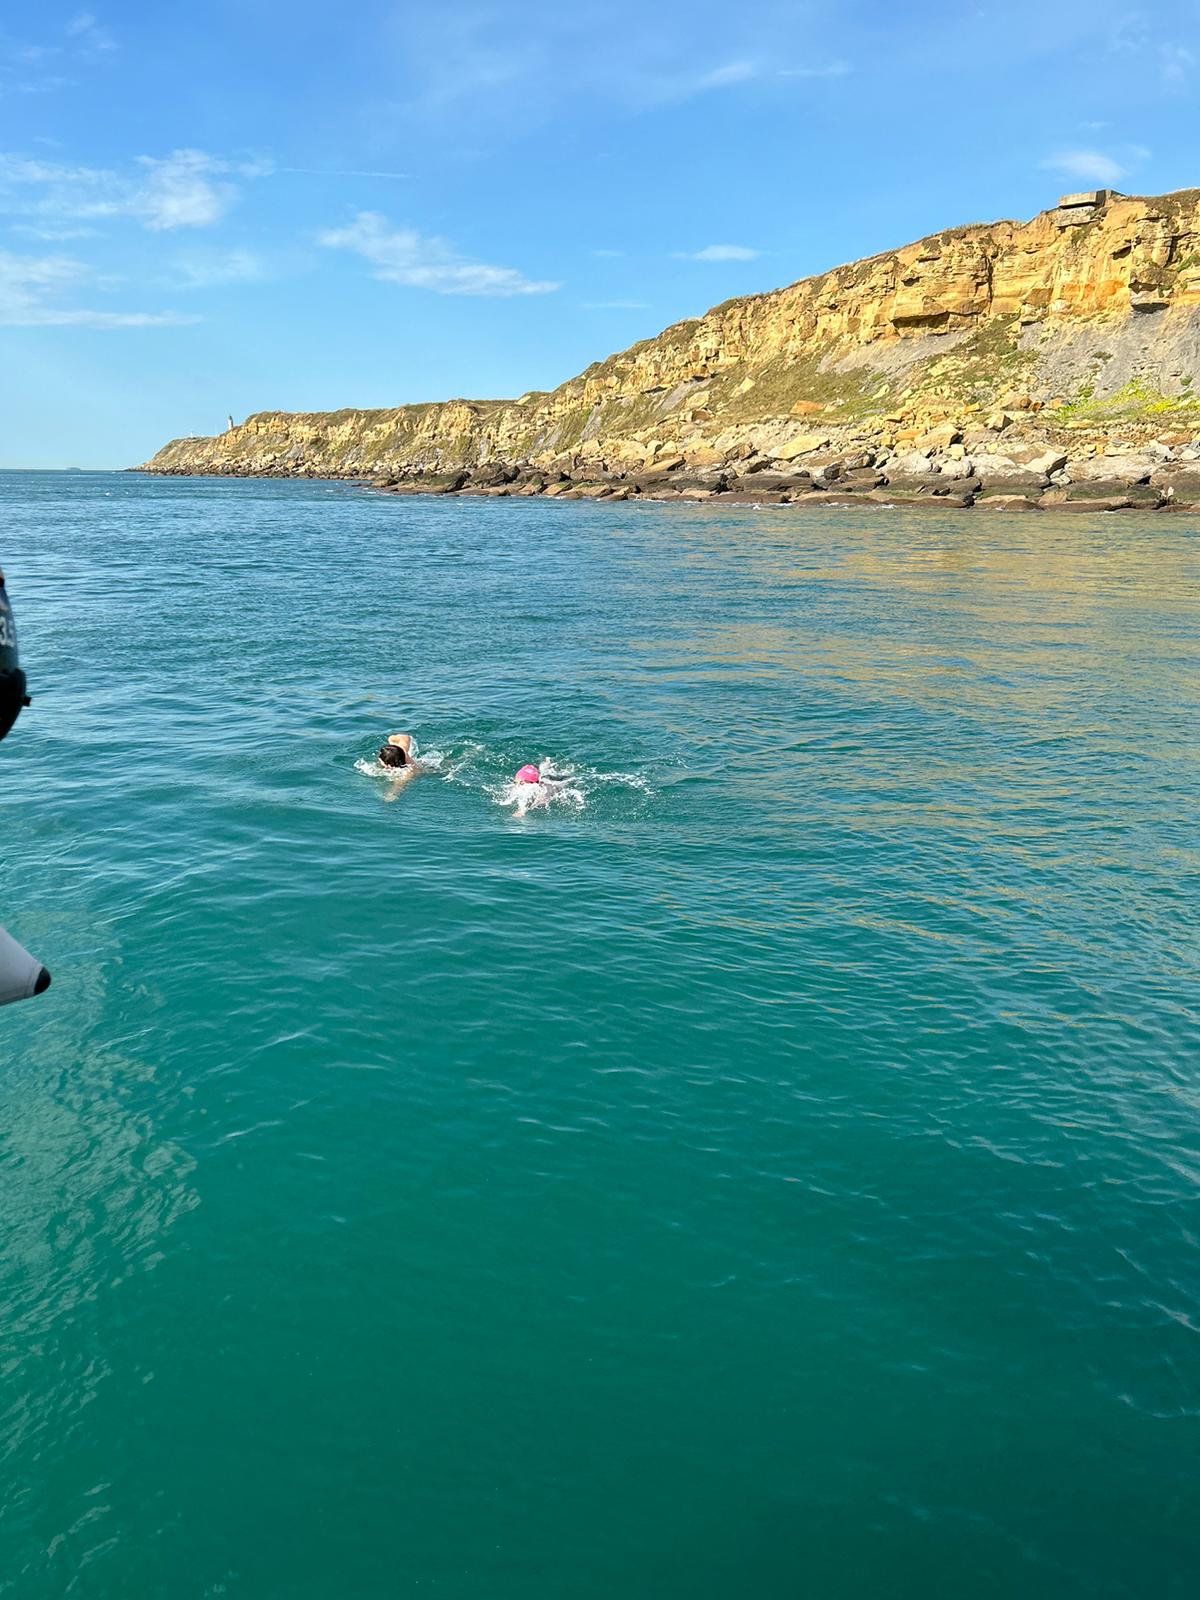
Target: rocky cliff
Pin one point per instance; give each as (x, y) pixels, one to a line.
(1016, 356)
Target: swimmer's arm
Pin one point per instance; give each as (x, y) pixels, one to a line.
(398, 782)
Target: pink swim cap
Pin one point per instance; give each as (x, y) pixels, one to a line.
(528, 774)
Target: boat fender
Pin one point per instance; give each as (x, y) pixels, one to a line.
(21, 975)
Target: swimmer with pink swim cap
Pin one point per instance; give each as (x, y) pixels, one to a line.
(534, 787)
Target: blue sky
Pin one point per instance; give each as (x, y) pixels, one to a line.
(231, 208)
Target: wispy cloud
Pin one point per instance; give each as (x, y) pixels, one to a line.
(217, 270)
(86, 30)
(664, 87)
(20, 169)
(38, 68)
(825, 69)
(45, 85)
(341, 172)
(653, 87)
(51, 234)
(1088, 166)
(723, 77)
(185, 189)
(31, 288)
(607, 255)
(401, 255)
(1138, 33)
(489, 65)
(718, 252)
(1177, 63)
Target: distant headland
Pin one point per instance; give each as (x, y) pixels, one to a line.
(1009, 365)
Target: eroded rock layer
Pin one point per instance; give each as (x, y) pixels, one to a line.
(1024, 357)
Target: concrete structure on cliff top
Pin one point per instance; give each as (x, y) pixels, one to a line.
(1084, 320)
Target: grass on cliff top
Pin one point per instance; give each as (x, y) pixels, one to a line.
(1172, 205)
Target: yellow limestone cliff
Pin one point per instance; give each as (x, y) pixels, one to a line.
(1088, 316)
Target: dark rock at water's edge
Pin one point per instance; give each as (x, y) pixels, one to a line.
(833, 485)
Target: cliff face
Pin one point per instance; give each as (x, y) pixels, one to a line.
(1087, 315)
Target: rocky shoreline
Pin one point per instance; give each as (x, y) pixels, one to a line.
(996, 465)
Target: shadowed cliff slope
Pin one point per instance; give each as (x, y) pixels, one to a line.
(1086, 318)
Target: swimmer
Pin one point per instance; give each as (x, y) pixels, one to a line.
(531, 774)
(397, 754)
(533, 788)
(527, 789)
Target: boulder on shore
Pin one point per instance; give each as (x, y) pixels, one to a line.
(1006, 502)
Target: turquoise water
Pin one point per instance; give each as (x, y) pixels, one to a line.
(773, 1173)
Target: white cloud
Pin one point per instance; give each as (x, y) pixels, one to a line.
(253, 167)
(718, 252)
(181, 191)
(401, 255)
(29, 291)
(186, 189)
(1089, 166)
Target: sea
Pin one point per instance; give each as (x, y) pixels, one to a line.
(767, 1166)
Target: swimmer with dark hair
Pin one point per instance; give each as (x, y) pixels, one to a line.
(397, 754)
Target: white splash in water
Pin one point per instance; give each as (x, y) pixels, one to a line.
(524, 797)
